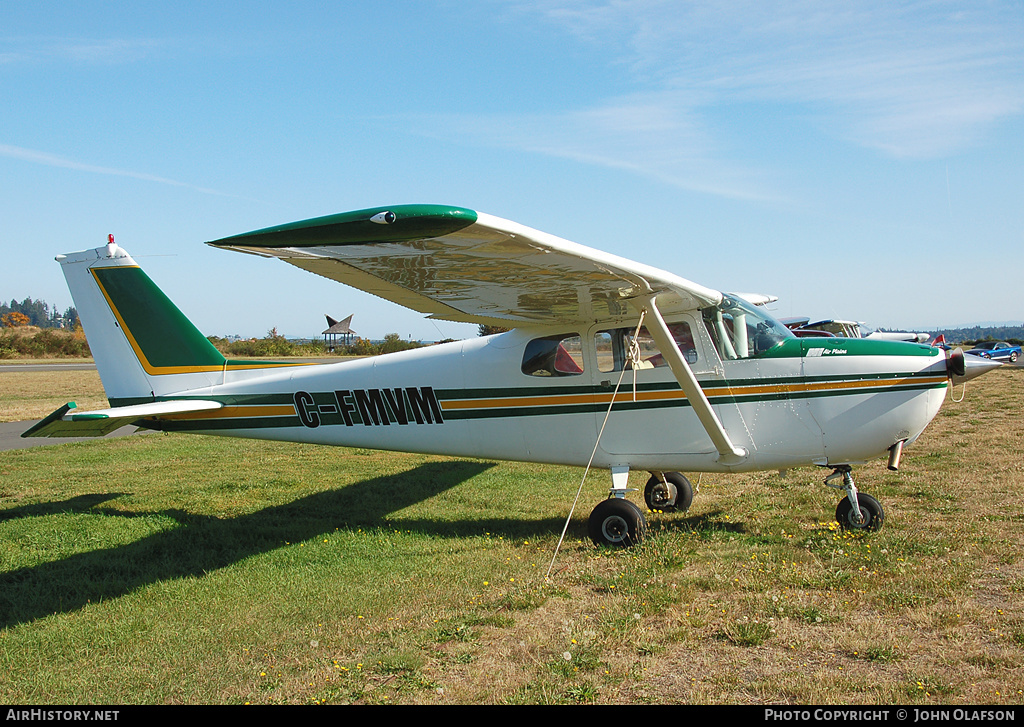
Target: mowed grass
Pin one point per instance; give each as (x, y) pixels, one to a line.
(165, 569)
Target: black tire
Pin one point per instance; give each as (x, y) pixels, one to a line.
(1013, 357)
(617, 523)
(675, 494)
(870, 509)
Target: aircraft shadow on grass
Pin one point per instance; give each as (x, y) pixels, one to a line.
(204, 543)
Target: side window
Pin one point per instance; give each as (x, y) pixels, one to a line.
(613, 348)
(560, 355)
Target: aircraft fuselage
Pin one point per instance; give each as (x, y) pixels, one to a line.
(807, 401)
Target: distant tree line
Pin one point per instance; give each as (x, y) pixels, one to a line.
(39, 313)
(274, 344)
(33, 329)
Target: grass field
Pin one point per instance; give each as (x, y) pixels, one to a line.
(167, 569)
(30, 394)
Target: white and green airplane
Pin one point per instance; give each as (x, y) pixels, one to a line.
(609, 364)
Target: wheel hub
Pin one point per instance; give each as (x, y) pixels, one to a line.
(615, 529)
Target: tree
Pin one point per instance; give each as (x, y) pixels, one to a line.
(485, 330)
(14, 319)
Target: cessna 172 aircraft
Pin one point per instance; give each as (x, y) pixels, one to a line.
(608, 364)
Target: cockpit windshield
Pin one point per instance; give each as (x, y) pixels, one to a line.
(742, 330)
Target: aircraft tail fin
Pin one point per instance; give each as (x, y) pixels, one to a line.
(144, 347)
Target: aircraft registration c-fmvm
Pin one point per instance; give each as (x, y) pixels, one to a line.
(608, 364)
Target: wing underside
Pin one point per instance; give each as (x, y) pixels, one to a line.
(456, 264)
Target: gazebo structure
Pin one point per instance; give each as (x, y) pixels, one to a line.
(338, 332)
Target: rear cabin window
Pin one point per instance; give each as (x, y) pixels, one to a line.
(560, 355)
(613, 347)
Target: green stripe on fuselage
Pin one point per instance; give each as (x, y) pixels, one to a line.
(718, 391)
(835, 347)
(710, 387)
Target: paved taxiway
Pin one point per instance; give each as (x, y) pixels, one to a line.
(10, 432)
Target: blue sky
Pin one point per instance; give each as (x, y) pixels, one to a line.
(860, 160)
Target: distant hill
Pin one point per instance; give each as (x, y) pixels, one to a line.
(1013, 334)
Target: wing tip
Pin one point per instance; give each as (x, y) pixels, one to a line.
(397, 223)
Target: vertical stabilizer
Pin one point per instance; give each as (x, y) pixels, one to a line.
(144, 347)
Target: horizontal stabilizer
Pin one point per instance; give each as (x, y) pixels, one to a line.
(67, 422)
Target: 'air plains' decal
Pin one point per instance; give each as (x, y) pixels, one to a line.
(369, 407)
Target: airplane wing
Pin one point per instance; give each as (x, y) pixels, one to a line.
(66, 422)
(456, 264)
(758, 298)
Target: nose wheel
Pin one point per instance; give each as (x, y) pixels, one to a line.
(871, 514)
(856, 511)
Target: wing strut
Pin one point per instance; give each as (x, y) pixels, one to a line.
(729, 453)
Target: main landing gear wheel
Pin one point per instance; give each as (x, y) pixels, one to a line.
(617, 523)
(872, 515)
(674, 494)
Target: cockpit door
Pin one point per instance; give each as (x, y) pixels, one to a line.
(651, 415)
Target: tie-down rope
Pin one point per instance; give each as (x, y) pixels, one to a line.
(633, 358)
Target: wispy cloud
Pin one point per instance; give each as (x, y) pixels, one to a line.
(103, 51)
(913, 79)
(53, 160)
(651, 135)
(919, 79)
